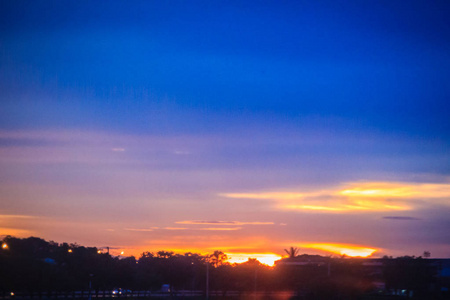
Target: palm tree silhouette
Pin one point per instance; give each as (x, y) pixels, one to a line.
(292, 252)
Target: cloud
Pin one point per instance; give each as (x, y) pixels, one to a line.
(267, 196)
(343, 249)
(236, 223)
(17, 225)
(221, 228)
(183, 228)
(397, 190)
(180, 152)
(16, 232)
(360, 197)
(401, 218)
(17, 217)
(138, 229)
(62, 146)
(175, 228)
(191, 229)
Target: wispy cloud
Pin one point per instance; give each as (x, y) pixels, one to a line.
(236, 223)
(190, 229)
(60, 146)
(175, 228)
(401, 218)
(180, 152)
(15, 232)
(267, 195)
(138, 229)
(369, 196)
(221, 228)
(183, 228)
(397, 190)
(17, 217)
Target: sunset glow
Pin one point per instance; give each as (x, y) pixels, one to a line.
(220, 223)
(16, 232)
(264, 258)
(312, 207)
(354, 197)
(397, 190)
(342, 249)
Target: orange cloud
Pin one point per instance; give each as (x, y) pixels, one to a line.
(15, 232)
(397, 190)
(175, 228)
(138, 229)
(237, 223)
(16, 217)
(368, 196)
(221, 228)
(343, 249)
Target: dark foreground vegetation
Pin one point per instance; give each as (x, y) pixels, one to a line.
(42, 269)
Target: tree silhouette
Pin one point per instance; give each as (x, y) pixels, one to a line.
(164, 254)
(217, 259)
(292, 252)
(32, 265)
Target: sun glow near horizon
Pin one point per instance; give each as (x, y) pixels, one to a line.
(264, 258)
(232, 258)
(269, 258)
(343, 249)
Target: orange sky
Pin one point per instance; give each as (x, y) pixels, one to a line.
(354, 218)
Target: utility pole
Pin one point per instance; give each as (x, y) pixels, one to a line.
(90, 286)
(329, 267)
(256, 277)
(207, 280)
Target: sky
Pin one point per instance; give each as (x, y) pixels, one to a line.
(242, 126)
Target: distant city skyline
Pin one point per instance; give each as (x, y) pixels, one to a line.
(245, 127)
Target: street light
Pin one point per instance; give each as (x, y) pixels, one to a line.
(5, 246)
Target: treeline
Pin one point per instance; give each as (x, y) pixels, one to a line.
(34, 265)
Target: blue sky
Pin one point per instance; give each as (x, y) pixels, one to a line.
(154, 113)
